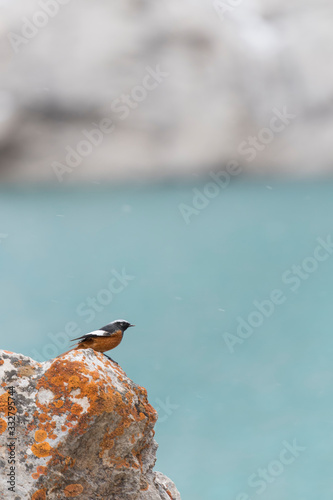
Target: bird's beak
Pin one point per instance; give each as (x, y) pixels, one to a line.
(130, 326)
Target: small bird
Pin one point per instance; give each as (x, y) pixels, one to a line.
(104, 339)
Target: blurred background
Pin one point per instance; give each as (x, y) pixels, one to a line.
(171, 163)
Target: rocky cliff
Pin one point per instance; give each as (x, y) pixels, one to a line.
(76, 426)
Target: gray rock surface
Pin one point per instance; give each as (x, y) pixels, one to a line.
(82, 429)
(229, 65)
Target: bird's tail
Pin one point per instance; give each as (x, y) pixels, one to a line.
(75, 348)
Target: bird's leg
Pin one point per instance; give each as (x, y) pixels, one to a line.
(110, 358)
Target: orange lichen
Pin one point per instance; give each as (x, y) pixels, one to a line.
(39, 495)
(4, 403)
(41, 469)
(145, 486)
(69, 462)
(74, 382)
(49, 427)
(129, 407)
(64, 376)
(73, 490)
(3, 425)
(76, 409)
(107, 442)
(40, 436)
(41, 449)
(43, 417)
(121, 462)
(1, 362)
(35, 475)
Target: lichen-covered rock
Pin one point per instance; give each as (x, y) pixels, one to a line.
(76, 426)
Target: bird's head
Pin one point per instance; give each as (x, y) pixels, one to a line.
(119, 324)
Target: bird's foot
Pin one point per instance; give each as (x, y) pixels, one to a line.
(111, 359)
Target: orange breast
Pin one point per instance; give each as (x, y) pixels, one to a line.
(102, 344)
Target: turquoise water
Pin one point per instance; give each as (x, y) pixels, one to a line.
(223, 415)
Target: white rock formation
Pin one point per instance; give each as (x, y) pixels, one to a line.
(230, 64)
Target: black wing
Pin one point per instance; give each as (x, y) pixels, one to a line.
(97, 333)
